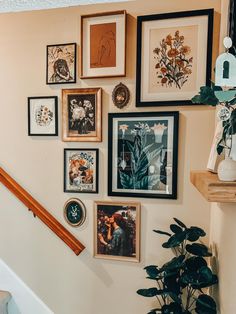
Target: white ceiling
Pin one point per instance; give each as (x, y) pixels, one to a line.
(26, 5)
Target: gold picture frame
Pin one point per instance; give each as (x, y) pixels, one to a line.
(117, 230)
(82, 115)
(103, 44)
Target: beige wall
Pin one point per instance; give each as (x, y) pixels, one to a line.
(66, 283)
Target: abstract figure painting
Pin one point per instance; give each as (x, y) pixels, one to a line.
(174, 52)
(117, 231)
(43, 116)
(103, 43)
(142, 154)
(103, 48)
(82, 114)
(61, 63)
(81, 170)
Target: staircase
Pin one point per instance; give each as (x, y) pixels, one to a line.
(5, 297)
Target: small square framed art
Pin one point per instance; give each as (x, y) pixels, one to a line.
(117, 231)
(82, 115)
(61, 64)
(81, 170)
(142, 154)
(174, 57)
(103, 44)
(43, 116)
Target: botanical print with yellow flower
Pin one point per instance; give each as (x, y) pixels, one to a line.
(174, 60)
(173, 55)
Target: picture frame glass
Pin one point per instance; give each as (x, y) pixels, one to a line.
(61, 64)
(103, 44)
(82, 115)
(42, 116)
(174, 57)
(143, 155)
(81, 170)
(117, 231)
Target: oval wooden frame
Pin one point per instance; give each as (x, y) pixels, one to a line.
(127, 95)
(81, 204)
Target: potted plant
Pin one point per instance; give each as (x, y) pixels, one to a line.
(180, 284)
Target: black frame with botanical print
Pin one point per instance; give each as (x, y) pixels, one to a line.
(143, 154)
(36, 111)
(152, 83)
(59, 67)
(79, 169)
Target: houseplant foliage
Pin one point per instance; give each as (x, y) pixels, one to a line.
(179, 285)
(207, 96)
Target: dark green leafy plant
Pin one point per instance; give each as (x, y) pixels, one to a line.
(207, 96)
(179, 283)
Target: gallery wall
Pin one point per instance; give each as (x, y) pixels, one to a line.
(65, 282)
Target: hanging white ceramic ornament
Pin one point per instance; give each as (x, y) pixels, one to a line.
(224, 114)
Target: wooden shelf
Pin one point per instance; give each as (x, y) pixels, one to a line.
(212, 189)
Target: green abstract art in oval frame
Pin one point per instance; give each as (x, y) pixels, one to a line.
(74, 212)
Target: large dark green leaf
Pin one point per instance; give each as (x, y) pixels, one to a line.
(194, 233)
(205, 305)
(176, 229)
(172, 308)
(126, 181)
(198, 249)
(149, 181)
(152, 271)
(233, 121)
(151, 292)
(180, 223)
(154, 311)
(176, 262)
(162, 232)
(175, 239)
(194, 263)
(206, 97)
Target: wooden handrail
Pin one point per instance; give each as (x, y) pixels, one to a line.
(39, 211)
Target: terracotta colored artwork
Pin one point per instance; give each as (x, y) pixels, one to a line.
(103, 45)
(174, 61)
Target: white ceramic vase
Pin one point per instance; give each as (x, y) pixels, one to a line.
(227, 169)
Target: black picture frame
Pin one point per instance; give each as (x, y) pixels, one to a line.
(58, 63)
(74, 212)
(114, 162)
(140, 102)
(40, 128)
(75, 178)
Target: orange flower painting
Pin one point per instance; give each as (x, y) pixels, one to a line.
(173, 61)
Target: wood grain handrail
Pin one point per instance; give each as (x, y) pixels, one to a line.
(39, 211)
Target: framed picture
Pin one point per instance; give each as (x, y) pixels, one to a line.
(103, 44)
(117, 231)
(142, 154)
(174, 57)
(120, 95)
(81, 170)
(43, 116)
(61, 64)
(74, 212)
(82, 115)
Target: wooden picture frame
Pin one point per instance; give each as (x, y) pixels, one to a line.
(103, 45)
(174, 57)
(61, 62)
(43, 116)
(74, 212)
(82, 115)
(143, 154)
(81, 170)
(117, 231)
